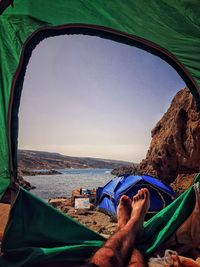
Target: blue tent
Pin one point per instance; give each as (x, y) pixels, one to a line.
(108, 196)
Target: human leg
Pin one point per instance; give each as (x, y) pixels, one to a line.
(118, 248)
(137, 259)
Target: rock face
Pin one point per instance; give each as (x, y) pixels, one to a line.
(175, 145)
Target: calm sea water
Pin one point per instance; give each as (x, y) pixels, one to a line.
(61, 185)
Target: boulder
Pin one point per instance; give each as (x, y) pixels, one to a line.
(23, 183)
(124, 170)
(175, 145)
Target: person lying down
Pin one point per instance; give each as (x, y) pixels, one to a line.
(120, 249)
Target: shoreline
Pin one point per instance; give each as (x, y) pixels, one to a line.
(34, 172)
(39, 172)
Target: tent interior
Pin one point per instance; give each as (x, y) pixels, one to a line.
(167, 29)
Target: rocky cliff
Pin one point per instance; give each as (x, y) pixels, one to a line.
(175, 145)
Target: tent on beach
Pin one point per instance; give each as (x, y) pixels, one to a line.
(161, 195)
(37, 233)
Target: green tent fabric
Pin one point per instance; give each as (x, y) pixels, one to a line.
(167, 28)
(38, 233)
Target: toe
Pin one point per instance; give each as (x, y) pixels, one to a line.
(125, 200)
(135, 198)
(140, 194)
(122, 199)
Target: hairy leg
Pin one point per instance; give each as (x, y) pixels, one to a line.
(118, 248)
(137, 259)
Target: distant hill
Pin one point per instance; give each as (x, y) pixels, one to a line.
(37, 160)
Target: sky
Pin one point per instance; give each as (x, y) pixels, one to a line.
(91, 97)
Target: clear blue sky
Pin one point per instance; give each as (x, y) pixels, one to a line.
(87, 96)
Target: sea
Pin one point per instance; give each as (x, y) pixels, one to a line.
(61, 185)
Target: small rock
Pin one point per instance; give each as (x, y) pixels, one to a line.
(106, 232)
(113, 219)
(82, 212)
(92, 207)
(64, 209)
(112, 225)
(102, 229)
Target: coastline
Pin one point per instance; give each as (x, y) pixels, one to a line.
(39, 172)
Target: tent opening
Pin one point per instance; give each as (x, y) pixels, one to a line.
(94, 101)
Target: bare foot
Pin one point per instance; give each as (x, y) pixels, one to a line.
(140, 205)
(123, 211)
